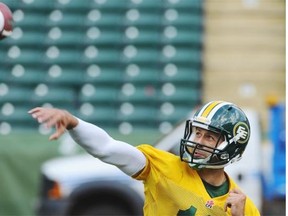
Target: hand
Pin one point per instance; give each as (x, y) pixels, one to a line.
(236, 201)
(51, 117)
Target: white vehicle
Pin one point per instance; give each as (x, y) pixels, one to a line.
(83, 185)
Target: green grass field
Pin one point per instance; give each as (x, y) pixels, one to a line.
(21, 155)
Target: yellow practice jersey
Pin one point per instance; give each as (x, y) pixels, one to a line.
(173, 188)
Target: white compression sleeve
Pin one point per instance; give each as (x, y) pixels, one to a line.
(99, 144)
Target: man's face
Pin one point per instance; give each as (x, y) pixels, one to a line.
(206, 139)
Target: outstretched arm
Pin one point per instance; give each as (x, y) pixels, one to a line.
(92, 138)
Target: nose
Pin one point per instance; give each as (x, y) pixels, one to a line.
(199, 140)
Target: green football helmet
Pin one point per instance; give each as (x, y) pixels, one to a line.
(229, 123)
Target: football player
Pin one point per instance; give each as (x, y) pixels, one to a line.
(194, 183)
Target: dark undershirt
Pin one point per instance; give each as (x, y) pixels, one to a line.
(215, 191)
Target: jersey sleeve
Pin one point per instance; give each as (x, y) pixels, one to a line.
(158, 162)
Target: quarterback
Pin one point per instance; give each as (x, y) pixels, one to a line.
(194, 183)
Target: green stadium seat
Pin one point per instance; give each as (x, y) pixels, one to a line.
(138, 115)
(98, 94)
(147, 5)
(140, 55)
(66, 20)
(55, 95)
(177, 74)
(179, 94)
(14, 94)
(102, 115)
(172, 54)
(141, 36)
(24, 56)
(26, 38)
(104, 19)
(146, 94)
(111, 5)
(64, 76)
(182, 37)
(174, 113)
(141, 74)
(101, 37)
(62, 56)
(135, 17)
(105, 56)
(63, 38)
(36, 5)
(26, 75)
(102, 75)
(30, 20)
(72, 5)
(15, 116)
(192, 6)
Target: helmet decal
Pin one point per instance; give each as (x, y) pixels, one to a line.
(211, 108)
(241, 132)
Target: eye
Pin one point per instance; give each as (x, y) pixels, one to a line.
(211, 137)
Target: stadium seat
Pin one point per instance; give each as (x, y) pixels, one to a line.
(193, 6)
(64, 76)
(179, 55)
(141, 36)
(101, 37)
(26, 75)
(65, 20)
(182, 18)
(140, 55)
(63, 37)
(26, 38)
(96, 94)
(72, 5)
(94, 55)
(30, 20)
(61, 56)
(55, 95)
(145, 75)
(102, 115)
(112, 5)
(141, 114)
(15, 94)
(182, 37)
(180, 75)
(16, 116)
(179, 94)
(145, 94)
(36, 5)
(103, 19)
(135, 17)
(102, 75)
(24, 56)
(174, 113)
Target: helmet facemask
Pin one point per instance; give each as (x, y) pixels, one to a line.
(199, 155)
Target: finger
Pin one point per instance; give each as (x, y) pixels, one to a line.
(36, 109)
(236, 191)
(53, 120)
(60, 129)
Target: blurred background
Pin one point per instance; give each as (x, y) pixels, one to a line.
(137, 68)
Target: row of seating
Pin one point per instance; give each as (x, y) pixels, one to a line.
(116, 63)
(114, 5)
